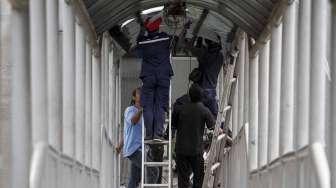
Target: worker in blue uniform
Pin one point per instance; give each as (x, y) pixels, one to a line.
(153, 47)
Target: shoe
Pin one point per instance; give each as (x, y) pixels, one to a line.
(158, 139)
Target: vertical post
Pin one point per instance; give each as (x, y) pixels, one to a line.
(287, 80)
(241, 83)
(274, 93)
(54, 75)
(318, 75)
(235, 108)
(333, 96)
(88, 104)
(303, 74)
(263, 104)
(19, 100)
(7, 16)
(37, 15)
(246, 81)
(253, 114)
(80, 93)
(68, 79)
(96, 116)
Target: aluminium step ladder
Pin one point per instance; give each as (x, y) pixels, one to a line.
(219, 140)
(167, 163)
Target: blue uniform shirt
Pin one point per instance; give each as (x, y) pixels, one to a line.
(132, 133)
(155, 53)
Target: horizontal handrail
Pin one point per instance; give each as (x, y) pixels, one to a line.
(319, 159)
(39, 158)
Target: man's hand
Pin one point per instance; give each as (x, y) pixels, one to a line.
(118, 148)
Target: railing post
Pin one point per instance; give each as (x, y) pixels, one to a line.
(274, 93)
(15, 97)
(333, 98)
(54, 75)
(253, 114)
(263, 86)
(241, 82)
(37, 18)
(318, 74)
(88, 105)
(96, 116)
(302, 75)
(80, 92)
(68, 79)
(287, 80)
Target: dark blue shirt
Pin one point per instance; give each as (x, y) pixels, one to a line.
(155, 53)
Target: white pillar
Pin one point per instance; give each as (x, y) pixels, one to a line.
(37, 15)
(20, 100)
(96, 116)
(88, 105)
(246, 81)
(274, 93)
(80, 92)
(68, 79)
(54, 75)
(318, 75)
(333, 96)
(253, 114)
(287, 80)
(263, 87)
(241, 83)
(302, 75)
(235, 111)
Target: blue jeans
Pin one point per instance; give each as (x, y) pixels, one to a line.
(155, 102)
(210, 101)
(135, 177)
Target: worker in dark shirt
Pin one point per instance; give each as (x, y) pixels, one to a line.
(210, 59)
(191, 120)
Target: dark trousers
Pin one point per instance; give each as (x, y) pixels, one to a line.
(210, 101)
(135, 176)
(183, 165)
(155, 154)
(155, 101)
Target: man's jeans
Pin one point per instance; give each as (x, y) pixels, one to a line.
(210, 101)
(135, 176)
(154, 154)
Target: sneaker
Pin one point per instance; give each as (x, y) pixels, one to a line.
(158, 139)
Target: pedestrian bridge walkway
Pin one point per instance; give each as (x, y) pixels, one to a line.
(67, 71)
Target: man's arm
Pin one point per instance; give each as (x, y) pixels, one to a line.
(136, 117)
(120, 145)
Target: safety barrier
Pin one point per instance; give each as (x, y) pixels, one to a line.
(307, 167)
(52, 169)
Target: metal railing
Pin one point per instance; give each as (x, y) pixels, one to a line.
(52, 169)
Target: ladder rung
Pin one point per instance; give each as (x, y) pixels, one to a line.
(156, 185)
(152, 142)
(215, 166)
(156, 163)
(220, 137)
(227, 108)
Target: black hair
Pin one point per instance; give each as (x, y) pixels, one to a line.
(195, 93)
(138, 89)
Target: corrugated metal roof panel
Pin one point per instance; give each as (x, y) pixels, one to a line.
(250, 15)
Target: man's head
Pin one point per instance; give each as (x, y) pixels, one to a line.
(136, 93)
(153, 24)
(195, 93)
